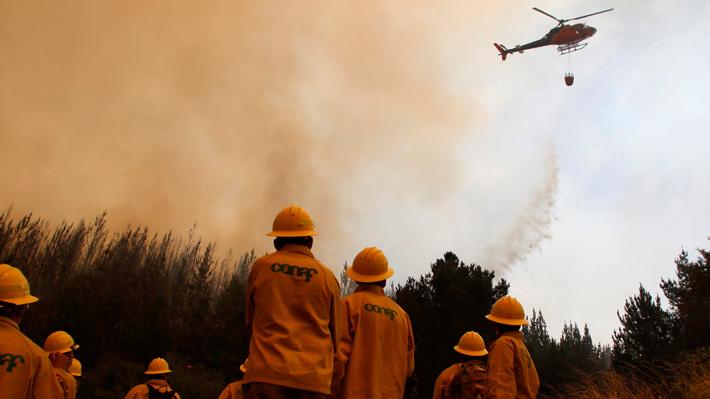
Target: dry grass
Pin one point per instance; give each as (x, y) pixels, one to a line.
(688, 377)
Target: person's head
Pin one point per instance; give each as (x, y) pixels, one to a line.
(507, 314)
(60, 345)
(499, 329)
(471, 346)
(14, 293)
(158, 369)
(13, 312)
(280, 242)
(370, 267)
(293, 225)
(381, 283)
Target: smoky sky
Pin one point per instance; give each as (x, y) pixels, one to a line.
(220, 113)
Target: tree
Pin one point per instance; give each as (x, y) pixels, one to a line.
(443, 304)
(535, 332)
(542, 348)
(561, 362)
(689, 296)
(646, 333)
(347, 285)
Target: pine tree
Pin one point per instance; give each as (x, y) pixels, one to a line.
(646, 333)
(689, 296)
(542, 348)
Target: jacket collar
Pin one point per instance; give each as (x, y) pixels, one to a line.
(300, 249)
(513, 334)
(9, 322)
(474, 362)
(158, 383)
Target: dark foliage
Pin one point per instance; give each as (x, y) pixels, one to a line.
(646, 333)
(563, 361)
(689, 296)
(443, 304)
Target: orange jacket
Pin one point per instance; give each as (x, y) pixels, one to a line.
(25, 369)
(294, 314)
(511, 371)
(67, 382)
(141, 391)
(446, 379)
(233, 391)
(377, 345)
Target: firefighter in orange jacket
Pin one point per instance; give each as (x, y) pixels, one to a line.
(60, 346)
(466, 379)
(294, 315)
(511, 371)
(157, 386)
(377, 344)
(25, 369)
(75, 369)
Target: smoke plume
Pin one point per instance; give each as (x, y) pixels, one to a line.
(222, 112)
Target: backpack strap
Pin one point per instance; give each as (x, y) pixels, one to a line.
(153, 392)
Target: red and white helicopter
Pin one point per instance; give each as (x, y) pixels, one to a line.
(567, 38)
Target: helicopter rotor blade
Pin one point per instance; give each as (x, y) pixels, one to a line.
(588, 15)
(551, 16)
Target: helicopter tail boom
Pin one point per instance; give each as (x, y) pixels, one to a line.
(503, 51)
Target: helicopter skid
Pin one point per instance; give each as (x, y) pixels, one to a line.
(570, 48)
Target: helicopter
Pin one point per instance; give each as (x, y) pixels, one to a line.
(567, 37)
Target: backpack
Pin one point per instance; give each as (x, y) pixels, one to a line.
(466, 383)
(154, 393)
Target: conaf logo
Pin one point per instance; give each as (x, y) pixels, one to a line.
(292, 270)
(391, 313)
(11, 361)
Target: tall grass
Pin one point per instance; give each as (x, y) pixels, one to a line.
(687, 377)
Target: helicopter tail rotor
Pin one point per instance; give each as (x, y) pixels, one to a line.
(502, 49)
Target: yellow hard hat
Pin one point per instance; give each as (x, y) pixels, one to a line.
(243, 366)
(75, 367)
(509, 311)
(158, 366)
(471, 344)
(292, 221)
(59, 341)
(14, 287)
(370, 265)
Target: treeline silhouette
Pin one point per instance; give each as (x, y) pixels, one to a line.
(132, 295)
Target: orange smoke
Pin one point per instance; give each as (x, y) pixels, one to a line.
(222, 112)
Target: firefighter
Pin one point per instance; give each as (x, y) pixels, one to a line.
(294, 316)
(25, 369)
(234, 390)
(60, 346)
(377, 345)
(75, 368)
(511, 371)
(157, 386)
(465, 379)
(75, 371)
